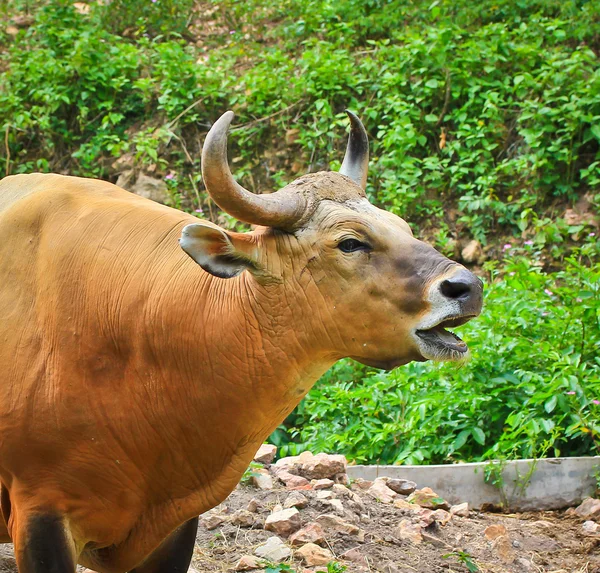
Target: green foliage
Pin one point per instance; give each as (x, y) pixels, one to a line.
(465, 558)
(532, 388)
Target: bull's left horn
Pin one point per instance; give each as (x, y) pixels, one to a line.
(281, 209)
(356, 160)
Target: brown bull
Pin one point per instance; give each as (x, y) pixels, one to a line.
(145, 355)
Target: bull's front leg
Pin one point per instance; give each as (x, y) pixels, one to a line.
(174, 554)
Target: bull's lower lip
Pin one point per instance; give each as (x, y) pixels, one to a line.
(437, 342)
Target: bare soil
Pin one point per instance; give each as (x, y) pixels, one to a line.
(538, 542)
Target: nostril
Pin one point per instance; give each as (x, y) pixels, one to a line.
(455, 288)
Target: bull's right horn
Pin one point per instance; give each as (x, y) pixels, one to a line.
(356, 160)
(280, 210)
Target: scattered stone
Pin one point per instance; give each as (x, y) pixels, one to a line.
(589, 509)
(424, 516)
(321, 483)
(409, 531)
(82, 8)
(334, 524)
(324, 495)
(243, 518)
(401, 486)
(503, 548)
(248, 562)
(284, 522)
(355, 556)
(494, 531)
(461, 509)
(343, 491)
(523, 564)
(312, 554)
(295, 499)
(381, 492)
(148, 187)
(337, 506)
(290, 480)
(341, 478)
(323, 466)
(265, 454)
(591, 527)
(273, 549)
(262, 479)
(426, 497)
(310, 533)
(472, 252)
(403, 504)
(441, 516)
(253, 505)
(361, 484)
(213, 521)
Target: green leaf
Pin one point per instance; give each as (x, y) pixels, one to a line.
(479, 435)
(551, 404)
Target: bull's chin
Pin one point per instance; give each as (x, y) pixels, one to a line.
(389, 364)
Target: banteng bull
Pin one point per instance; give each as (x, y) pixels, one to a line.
(145, 354)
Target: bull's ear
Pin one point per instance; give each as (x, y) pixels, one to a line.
(219, 253)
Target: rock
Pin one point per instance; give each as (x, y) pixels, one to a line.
(290, 480)
(213, 521)
(334, 524)
(265, 454)
(295, 499)
(253, 505)
(409, 531)
(342, 490)
(523, 564)
(324, 495)
(82, 8)
(503, 548)
(323, 466)
(337, 506)
(589, 509)
(461, 509)
(426, 497)
(472, 252)
(242, 518)
(361, 484)
(248, 562)
(284, 522)
(424, 516)
(148, 187)
(403, 504)
(312, 554)
(310, 533)
(321, 483)
(262, 479)
(441, 516)
(355, 556)
(590, 527)
(401, 486)
(494, 531)
(381, 492)
(273, 549)
(341, 478)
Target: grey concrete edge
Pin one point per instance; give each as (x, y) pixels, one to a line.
(520, 485)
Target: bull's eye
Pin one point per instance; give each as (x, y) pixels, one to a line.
(351, 245)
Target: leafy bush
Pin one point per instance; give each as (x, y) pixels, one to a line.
(532, 388)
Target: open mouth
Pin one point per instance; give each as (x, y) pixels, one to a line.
(441, 343)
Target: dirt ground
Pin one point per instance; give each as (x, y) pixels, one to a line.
(537, 542)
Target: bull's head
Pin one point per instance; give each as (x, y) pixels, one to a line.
(358, 279)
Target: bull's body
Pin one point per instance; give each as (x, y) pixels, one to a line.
(145, 354)
(123, 394)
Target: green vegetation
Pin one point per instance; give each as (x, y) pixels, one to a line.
(485, 124)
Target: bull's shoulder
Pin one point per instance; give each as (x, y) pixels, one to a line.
(15, 188)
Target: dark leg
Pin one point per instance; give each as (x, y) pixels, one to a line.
(44, 545)
(174, 554)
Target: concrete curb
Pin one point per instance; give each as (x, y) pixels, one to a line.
(523, 485)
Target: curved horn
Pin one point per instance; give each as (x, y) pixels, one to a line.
(281, 209)
(356, 160)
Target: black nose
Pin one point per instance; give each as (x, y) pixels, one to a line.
(465, 287)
